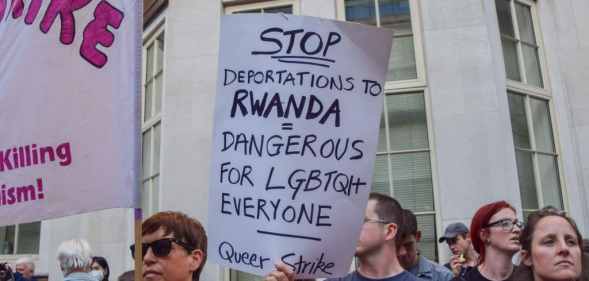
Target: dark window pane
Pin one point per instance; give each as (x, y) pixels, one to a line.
(532, 65)
(7, 240)
(362, 11)
(519, 122)
(402, 60)
(542, 126)
(527, 183)
(407, 122)
(548, 170)
(281, 9)
(428, 244)
(252, 11)
(395, 14)
(28, 238)
(412, 181)
(525, 24)
(380, 180)
(510, 59)
(504, 17)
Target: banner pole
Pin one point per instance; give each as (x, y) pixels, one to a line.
(138, 272)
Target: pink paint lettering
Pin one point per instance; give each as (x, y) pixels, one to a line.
(19, 194)
(96, 32)
(2, 9)
(33, 11)
(65, 9)
(17, 8)
(31, 155)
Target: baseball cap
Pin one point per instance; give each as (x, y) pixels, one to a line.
(453, 230)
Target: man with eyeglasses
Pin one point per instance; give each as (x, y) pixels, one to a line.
(174, 247)
(463, 253)
(376, 249)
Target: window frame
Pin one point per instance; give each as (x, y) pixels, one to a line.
(529, 91)
(523, 86)
(14, 256)
(416, 28)
(231, 8)
(149, 38)
(557, 151)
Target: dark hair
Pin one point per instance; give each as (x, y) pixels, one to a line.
(534, 218)
(102, 262)
(184, 228)
(586, 245)
(409, 226)
(387, 208)
(479, 222)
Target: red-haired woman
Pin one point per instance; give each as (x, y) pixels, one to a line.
(495, 232)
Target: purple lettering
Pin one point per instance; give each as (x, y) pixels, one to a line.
(2, 9)
(65, 9)
(33, 11)
(96, 32)
(17, 8)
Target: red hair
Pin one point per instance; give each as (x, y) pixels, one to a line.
(480, 220)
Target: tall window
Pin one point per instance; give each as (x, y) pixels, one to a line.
(20, 239)
(403, 164)
(518, 38)
(537, 160)
(153, 51)
(529, 106)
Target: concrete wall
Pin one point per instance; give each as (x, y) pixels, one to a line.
(192, 32)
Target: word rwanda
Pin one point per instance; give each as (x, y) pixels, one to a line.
(95, 33)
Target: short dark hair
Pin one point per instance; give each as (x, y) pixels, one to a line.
(102, 262)
(184, 228)
(387, 208)
(409, 226)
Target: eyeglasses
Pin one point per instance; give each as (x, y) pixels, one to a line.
(366, 220)
(506, 224)
(160, 248)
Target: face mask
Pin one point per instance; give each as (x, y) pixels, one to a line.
(97, 274)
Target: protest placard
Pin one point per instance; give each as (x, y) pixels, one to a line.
(69, 92)
(294, 141)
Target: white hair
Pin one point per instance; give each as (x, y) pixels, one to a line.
(74, 255)
(28, 261)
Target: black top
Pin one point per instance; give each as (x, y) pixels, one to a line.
(472, 274)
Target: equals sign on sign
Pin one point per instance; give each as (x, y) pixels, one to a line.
(287, 126)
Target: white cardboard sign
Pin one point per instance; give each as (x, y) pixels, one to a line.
(296, 123)
(69, 73)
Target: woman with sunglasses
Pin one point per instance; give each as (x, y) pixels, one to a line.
(495, 233)
(551, 248)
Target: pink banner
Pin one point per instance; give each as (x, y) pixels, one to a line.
(69, 92)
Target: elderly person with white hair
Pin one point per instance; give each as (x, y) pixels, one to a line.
(75, 257)
(26, 267)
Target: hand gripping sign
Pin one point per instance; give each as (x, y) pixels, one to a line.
(296, 123)
(69, 84)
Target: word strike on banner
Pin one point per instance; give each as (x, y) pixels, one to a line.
(95, 33)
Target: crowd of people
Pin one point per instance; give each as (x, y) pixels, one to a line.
(549, 247)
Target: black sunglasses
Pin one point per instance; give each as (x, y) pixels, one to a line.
(160, 248)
